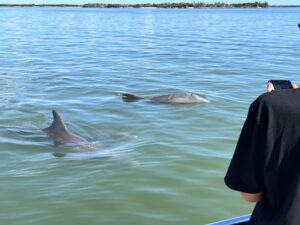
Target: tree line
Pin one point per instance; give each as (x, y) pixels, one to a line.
(155, 5)
(180, 5)
(39, 5)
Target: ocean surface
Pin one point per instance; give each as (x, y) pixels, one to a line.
(157, 164)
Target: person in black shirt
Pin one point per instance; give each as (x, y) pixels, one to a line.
(265, 166)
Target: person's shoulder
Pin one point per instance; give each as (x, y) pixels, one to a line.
(263, 98)
(260, 99)
(275, 98)
(264, 101)
(278, 95)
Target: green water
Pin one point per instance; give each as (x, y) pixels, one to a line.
(160, 164)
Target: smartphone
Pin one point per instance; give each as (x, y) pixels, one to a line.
(281, 84)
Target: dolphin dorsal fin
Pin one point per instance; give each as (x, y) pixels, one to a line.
(57, 124)
(129, 97)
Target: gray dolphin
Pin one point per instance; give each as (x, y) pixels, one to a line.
(60, 133)
(175, 98)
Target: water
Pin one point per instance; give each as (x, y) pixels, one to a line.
(161, 164)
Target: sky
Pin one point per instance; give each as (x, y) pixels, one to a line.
(271, 2)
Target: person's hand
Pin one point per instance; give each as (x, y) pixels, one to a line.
(270, 86)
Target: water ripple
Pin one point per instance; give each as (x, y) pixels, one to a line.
(161, 164)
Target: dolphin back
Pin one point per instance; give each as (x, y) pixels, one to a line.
(174, 98)
(179, 98)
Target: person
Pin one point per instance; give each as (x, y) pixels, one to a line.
(265, 166)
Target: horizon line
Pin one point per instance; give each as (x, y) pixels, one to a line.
(138, 4)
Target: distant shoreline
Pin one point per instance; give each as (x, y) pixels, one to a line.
(161, 5)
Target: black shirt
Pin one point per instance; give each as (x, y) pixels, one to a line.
(267, 158)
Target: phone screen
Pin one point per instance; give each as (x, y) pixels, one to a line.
(281, 84)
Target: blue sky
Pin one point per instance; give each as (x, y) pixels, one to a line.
(272, 2)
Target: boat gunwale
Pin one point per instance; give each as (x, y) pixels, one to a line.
(241, 220)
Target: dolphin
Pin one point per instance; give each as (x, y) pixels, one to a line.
(174, 98)
(60, 133)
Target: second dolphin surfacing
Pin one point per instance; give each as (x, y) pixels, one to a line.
(60, 133)
(175, 98)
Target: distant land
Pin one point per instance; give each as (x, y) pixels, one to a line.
(159, 5)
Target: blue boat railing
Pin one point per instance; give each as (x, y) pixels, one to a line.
(242, 220)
